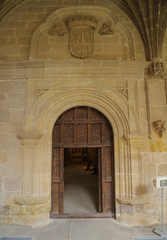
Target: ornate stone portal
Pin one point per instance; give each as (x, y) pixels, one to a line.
(36, 93)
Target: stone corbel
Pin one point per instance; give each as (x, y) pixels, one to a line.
(30, 200)
(156, 69)
(134, 201)
(160, 127)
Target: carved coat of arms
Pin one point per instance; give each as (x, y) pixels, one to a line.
(81, 42)
(81, 29)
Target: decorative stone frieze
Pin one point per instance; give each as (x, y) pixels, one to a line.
(106, 29)
(161, 127)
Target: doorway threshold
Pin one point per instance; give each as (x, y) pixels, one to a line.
(82, 215)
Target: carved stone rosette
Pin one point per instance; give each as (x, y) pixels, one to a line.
(161, 127)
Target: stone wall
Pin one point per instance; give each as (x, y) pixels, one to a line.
(17, 28)
(40, 78)
(12, 115)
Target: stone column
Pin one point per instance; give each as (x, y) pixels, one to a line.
(30, 162)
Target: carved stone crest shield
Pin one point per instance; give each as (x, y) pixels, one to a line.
(82, 41)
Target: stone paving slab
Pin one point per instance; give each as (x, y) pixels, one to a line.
(77, 229)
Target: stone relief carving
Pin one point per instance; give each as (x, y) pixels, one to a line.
(160, 126)
(81, 29)
(156, 69)
(82, 42)
(57, 29)
(106, 29)
(40, 92)
(124, 92)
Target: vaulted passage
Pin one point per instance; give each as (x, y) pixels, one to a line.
(82, 165)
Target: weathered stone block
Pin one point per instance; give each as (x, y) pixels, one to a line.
(24, 40)
(3, 41)
(24, 32)
(162, 170)
(3, 157)
(4, 115)
(16, 117)
(12, 184)
(28, 17)
(4, 210)
(12, 41)
(149, 170)
(6, 32)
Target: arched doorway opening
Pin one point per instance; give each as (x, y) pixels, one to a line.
(83, 129)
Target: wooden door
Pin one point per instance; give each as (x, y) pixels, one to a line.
(83, 127)
(100, 180)
(107, 180)
(57, 181)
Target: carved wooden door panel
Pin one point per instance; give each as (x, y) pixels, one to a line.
(107, 180)
(58, 181)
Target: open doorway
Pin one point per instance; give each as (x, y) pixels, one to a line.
(81, 181)
(82, 139)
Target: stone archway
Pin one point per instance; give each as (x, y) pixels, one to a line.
(83, 127)
(38, 143)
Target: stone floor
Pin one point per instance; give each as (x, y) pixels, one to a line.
(77, 229)
(80, 189)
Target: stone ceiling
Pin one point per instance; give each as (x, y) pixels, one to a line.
(149, 17)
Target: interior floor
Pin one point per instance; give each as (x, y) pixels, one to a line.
(80, 181)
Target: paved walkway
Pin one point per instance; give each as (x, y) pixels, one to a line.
(77, 229)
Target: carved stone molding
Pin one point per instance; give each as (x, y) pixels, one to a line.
(161, 127)
(30, 200)
(40, 92)
(106, 29)
(134, 201)
(156, 68)
(57, 29)
(76, 20)
(29, 138)
(124, 92)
